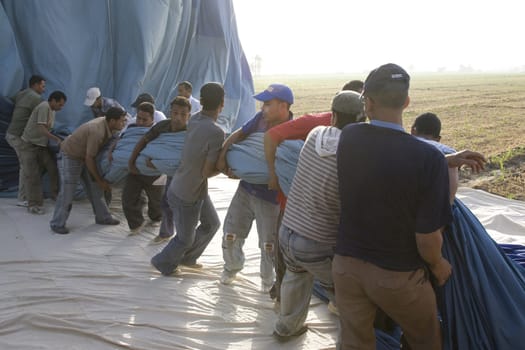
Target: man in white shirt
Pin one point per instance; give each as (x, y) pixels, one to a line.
(185, 89)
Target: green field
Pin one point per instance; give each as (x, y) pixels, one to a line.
(483, 112)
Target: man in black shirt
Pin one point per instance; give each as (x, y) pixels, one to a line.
(394, 205)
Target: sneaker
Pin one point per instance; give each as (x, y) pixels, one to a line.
(265, 288)
(136, 230)
(227, 277)
(36, 210)
(154, 223)
(193, 266)
(61, 230)
(160, 239)
(333, 308)
(110, 221)
(176, 273)
(22, 204)
(284, 338)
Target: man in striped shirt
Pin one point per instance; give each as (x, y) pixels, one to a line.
(308, 232)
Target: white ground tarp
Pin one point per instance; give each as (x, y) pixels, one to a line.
(95, 289)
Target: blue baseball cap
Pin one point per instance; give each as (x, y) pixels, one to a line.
(278, 91)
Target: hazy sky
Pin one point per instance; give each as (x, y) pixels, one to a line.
(331, 36)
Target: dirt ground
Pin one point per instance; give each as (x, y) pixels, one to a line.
(505, 179)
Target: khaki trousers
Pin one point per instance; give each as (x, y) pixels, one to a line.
(407, 297)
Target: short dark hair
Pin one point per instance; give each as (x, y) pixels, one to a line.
(147, 107)
(212, 95)
(57, 96)
(354, 85)
(181, 101)
(427, 124)
(187, 85)
(114, 113)
(35, 79)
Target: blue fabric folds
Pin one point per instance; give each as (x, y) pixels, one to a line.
(286, 159)
(483, 303)
(117, 169)
(164, 152)
(247, 161)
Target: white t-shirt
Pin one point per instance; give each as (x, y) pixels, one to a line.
(157, 117)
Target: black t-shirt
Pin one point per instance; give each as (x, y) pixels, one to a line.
(391, 185)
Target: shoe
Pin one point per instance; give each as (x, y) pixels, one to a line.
(136, 230)
(275, 292)
(154, 223)
(160, 239)
(228, 277)
(61, 230)
(176, 273)
(265, 288)
(22, 204)
(36, 210)
(285, 338)
(110, 221)
(333, 308)
(193, 266)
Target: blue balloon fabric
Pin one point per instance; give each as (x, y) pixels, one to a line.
(116, 170)
(286, 159)
(482, 304)
(247, 161)
(164, 152)
(125, 48)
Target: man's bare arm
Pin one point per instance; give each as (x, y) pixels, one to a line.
(472, 159)
(133, 158)
(236, 136)
(92, 168)
(270, 148)
(429, 248)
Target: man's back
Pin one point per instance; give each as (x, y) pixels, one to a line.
(390, 184)
(25, 101)
(313, 203)
(203, 142)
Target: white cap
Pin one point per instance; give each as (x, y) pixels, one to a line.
(92, 94)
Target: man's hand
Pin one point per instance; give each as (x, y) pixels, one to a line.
(474, 160)
(104, 185)
(229, 172)
(441, 271)
(150, 164)
(221, 164)
(273, 181)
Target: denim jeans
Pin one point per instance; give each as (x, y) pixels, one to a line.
(243, 209)
(189, 241)
(71, 171)
(305, 260)
(166, 225)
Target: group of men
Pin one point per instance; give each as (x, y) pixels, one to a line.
(364, 214)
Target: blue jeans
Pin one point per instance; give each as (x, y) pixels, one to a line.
(166, 225)
(243, 209)
(189, 241)
(71, 171)
(305, 260)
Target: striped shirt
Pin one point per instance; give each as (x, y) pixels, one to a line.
(313, 207)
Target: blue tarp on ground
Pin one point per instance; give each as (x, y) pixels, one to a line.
(125, 47)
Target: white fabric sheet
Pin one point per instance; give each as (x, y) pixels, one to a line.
(95, 289)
